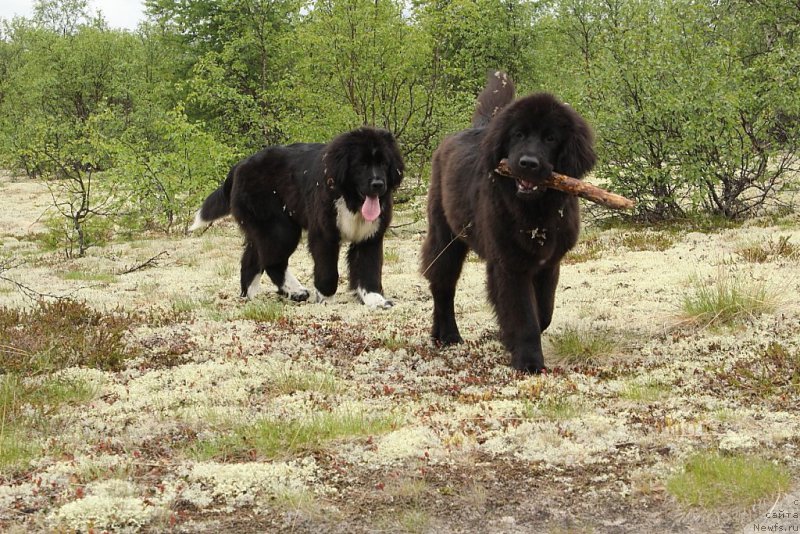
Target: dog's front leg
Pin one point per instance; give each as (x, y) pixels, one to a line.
(544, 286)
(513, 299)
(365, 265)
(325, 253)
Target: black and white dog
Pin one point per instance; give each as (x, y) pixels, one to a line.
(338, 191)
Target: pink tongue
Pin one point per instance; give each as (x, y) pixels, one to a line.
(371, 208)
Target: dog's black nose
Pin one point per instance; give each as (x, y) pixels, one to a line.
(376, 186)
(529, 162)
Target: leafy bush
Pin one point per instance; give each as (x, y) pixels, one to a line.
(694, 103)
(164, 167)
(691, 101)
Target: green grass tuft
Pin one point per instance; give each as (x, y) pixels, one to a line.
(772, 250)
(265, 311)
(16, 450)
(575, 346)
(646, 392)
(24, 407)
(185, 305)
(711, 480)
(291, 381)
(553, 401)
(559, 409)
(414, 521)
(391, 256)
(652, 241)
(272, 438)
(588, 248)
(727, 300)
(592, 245)
(89, 277)
(394, 342)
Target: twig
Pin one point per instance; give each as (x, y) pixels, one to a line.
(32, 293)
(29, 292)
(152, 262)
(460, 235)
(574, 187)
(395, 226)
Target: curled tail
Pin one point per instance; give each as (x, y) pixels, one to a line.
(216, 206)
(498, 93)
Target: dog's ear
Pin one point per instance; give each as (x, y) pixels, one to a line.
(577, 156)
(495, 144)
(394, 159)
(337, 163)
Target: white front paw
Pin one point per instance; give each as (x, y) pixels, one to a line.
(373, 300)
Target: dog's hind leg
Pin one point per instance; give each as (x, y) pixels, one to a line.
(512, 296)
(443, 256)
(275, 245)
(250, 274)
(268, 249)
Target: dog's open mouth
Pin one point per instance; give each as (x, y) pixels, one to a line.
(526, 187)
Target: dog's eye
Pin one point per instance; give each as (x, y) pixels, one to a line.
(519, 135)
(550, 139)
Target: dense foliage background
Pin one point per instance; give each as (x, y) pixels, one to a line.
(695, 103)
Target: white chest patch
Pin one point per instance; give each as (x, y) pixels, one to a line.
(352, 226)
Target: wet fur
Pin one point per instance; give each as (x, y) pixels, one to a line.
(521, 234)
(282, 190)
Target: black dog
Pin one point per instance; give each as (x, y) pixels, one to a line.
(339, 191)
(521, 230)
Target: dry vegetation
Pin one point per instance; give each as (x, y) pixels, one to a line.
(158, 401)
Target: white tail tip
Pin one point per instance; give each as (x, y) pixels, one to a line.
(198, 222)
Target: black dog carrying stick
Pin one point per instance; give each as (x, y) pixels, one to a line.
(575, 187)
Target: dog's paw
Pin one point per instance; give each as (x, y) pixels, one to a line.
(443, 339)
(296, 296)
(533, 366)
(373, 300)
(293, 289)
(301, 296)
(319, 298)
(447, 341)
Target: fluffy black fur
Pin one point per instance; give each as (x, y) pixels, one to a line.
(281, 190)
(522, 231)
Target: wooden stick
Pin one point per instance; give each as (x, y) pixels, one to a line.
(152, 262)
(575, 187)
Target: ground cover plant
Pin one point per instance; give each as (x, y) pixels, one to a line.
(711, 480)
(139, 393)
(160, 401)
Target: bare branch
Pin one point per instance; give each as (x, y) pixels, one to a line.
(152, 262)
